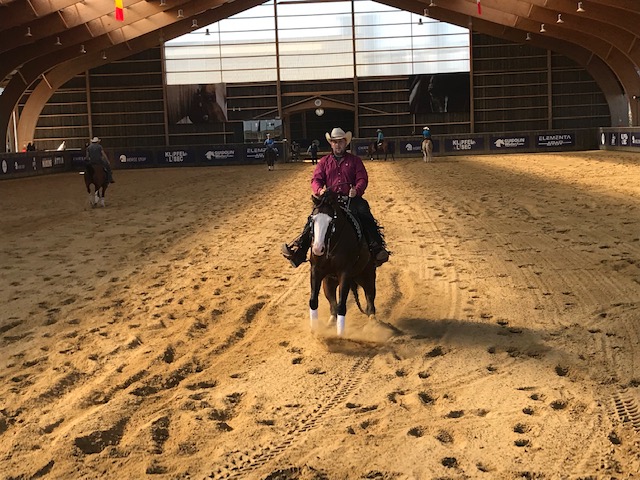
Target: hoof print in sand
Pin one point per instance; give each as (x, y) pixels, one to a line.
(99, 440)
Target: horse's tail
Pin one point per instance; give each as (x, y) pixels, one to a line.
(354, 290)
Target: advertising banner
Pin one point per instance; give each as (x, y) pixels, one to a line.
(16, 165)
(555, 140)
(411, 147)
(130, 159)
(52, 162)
(255, 153)
(220, 155)
(463, 144)
(506, 143)
(629, 139)
(178, 156)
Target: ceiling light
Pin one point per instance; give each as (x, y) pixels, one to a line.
(180, 14)
(163, 3)
(580, 9)
(82, 49)
(542, 29)
(28, 34)
(432, 4)
(528, 37)
(58, 42)
(426, 12)
(194, 23)
(559, 19)
(104, 55)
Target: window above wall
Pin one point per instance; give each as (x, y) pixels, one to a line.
(315, 42)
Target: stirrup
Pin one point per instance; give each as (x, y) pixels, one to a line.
(293, 257)
(287, 252)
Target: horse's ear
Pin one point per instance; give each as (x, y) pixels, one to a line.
(316, 199)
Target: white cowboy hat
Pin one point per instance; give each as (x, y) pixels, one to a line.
(425, 128)
(95, 140)
(337, 133)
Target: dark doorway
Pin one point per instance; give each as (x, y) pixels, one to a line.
(307, 126)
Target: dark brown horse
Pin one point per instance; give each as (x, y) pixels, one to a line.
(340, 261)
(384, 147)
(96, 175)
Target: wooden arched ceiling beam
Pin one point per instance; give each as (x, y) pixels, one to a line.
(609, 28)
(141, 17)
(54, 78)
(30, 71)
(601, 38)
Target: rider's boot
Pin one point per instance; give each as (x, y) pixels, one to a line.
(376, 243)
(296, 251)
(380, 254)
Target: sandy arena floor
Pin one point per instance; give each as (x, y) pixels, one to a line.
(165, 337)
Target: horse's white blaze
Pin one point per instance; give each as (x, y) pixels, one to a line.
(340, 325)
(321, 222)
(313, 315)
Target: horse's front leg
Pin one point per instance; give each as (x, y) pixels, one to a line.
(343, 293)
(316, 282)
(330, 285)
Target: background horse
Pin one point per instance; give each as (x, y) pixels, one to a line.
(340, 260)
(270, 155)
(96, 175)
(427, 150)
(376, 149)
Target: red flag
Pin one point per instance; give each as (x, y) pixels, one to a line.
(479, 7)
(119, 11)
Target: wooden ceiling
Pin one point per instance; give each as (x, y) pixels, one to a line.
(44, 43)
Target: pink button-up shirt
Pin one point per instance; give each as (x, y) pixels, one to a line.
(340, 177)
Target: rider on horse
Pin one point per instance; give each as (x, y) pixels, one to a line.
(96, 156)
(269, 142)
(426, 133)
(345, 174)
(379, 139)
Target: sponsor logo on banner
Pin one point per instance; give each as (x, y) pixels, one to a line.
(135, 158)
(257, 153)
(362, 149)
(223, 153)
(19, 166)
(556, 140)
(634, 139)
(51, 162)
(463, 144)
(415, 146)
(5, 167)
(500, 143)
(178, 156)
